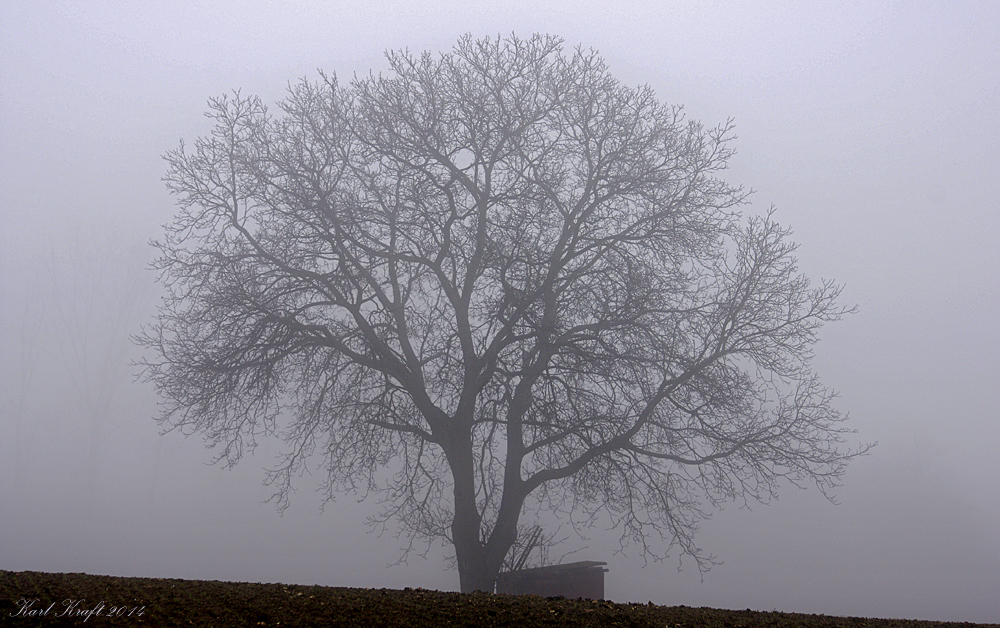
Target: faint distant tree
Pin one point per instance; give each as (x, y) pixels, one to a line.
(96, 300)
(506, 274)
(65, 351)
(19, 337)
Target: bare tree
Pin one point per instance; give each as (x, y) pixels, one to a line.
(510, 275)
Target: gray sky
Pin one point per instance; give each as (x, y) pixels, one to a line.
(872, 126)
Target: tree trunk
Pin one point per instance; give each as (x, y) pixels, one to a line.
(469, 548)
(479, 562)
(473, 572)
(465, 526)
(479, 559)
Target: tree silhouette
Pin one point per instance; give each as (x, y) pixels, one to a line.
(510, 275)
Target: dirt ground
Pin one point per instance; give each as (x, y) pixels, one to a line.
(30, 598)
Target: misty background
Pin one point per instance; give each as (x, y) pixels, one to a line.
(871, 126)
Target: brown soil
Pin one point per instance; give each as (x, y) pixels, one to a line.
(110, 601)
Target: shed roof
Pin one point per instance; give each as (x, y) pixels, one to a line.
(583, 564)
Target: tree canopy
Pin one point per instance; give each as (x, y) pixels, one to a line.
(503, 274)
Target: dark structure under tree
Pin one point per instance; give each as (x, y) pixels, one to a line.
(584, 579)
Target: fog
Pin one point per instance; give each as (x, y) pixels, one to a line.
(871, 126)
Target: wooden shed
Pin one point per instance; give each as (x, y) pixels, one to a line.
(582, 579)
